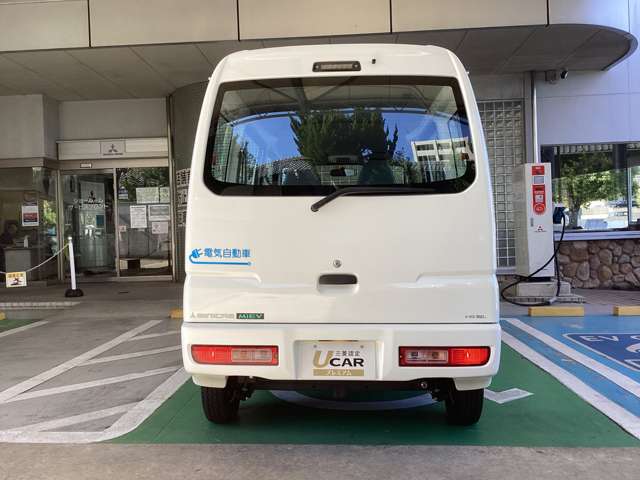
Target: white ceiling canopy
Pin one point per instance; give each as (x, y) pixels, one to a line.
(158, 70)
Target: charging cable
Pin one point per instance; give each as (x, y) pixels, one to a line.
(554, 258)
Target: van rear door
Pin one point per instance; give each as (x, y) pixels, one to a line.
(407, 237)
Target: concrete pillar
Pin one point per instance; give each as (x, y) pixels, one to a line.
(184, 111)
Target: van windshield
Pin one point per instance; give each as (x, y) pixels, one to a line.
(313, 136)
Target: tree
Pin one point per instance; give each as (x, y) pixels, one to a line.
(320, 134)
(132, 178)
(635, 175)
(585, 178)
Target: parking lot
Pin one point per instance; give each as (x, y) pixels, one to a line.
(541, 412)
(110, 371)
(107, 370)
(90, 372)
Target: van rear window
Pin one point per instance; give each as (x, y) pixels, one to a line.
(313, 136)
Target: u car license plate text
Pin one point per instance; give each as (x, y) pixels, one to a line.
(347, 360)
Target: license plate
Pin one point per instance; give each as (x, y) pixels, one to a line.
(338, 360)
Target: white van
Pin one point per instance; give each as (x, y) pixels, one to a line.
(340, 229)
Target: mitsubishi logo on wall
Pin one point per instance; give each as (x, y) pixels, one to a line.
(86, 150)
(112, 148)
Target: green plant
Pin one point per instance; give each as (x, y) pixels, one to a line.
(320, 134)
(585, 178)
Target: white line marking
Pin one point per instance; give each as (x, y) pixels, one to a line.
(94, 383)
(75, 419)
(607, 372)
(36, 305)
(506, 396)
(306, 401)
(134, 417)
(154, 335)
(74, 362)
(22, 329)
(125, 356)
(622, 417)
(128, 422)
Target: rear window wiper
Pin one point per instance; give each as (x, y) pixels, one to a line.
(366, 190)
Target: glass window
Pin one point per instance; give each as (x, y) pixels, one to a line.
(28, 220)
(312, 136)
(633, 159)
(144, 221)
(597, 183)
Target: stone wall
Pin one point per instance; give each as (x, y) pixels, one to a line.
(613, 264)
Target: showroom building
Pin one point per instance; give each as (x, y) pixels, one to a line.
(99, 101)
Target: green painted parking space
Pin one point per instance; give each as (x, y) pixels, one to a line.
(552, 416)
(10, 324)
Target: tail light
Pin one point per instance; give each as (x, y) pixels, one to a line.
(444, 356)
(235, 355)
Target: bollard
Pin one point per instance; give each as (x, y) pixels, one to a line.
(73, 291)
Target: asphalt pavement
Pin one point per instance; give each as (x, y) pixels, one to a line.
(108, 369)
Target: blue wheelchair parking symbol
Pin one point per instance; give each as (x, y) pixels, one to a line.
(622, 348)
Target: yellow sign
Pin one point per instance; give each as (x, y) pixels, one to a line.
(337, 372)
(16, 279)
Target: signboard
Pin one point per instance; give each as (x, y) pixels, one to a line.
(30, 215)
(622, 348)
(337, 359)
(91, 195)
(159, 228)
(165, 195)
(182, 189)
(155, 147)
(138, 216)
(112, 148)
(159, 213)
(16, 279)
(147, 195)
(182, 177)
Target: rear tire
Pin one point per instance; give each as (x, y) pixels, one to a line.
(220, 405)
(464, 407)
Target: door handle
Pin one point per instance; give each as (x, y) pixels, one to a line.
(338, 279)
(338, 284)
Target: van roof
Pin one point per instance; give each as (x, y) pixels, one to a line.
(297, 61)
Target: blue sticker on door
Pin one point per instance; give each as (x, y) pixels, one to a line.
(623, 348)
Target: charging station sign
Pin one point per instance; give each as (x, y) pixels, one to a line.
(539, 190)
(622, 348)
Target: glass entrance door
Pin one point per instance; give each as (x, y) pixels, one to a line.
(144, 221)
(88, 205)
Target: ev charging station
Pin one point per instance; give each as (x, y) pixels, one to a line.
(535, 243)
(533, 210)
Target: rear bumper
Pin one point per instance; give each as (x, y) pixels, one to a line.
(388, 339)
